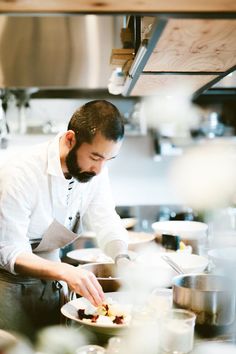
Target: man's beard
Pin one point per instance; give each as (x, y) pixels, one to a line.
(74, 169)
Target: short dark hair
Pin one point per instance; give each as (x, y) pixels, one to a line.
(97, 116)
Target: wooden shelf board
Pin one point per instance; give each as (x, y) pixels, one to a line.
(195, 45)
(151, 84)
(103, 6)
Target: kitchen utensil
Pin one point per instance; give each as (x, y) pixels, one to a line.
(106, 274)
(177, 331)
(160, 300)
(173, 264)
(211, 297)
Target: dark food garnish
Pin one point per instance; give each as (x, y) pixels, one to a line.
(83, 315)
(106, 308)
(94, 319)
(118, 320)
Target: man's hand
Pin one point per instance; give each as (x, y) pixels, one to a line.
(78, 280)
(84, 283)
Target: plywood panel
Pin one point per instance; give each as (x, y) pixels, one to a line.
(195, 45)
(104, 6)
(151, 84)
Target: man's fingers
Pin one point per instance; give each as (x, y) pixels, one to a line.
(89, 287)
(94, 289)
(98, 287)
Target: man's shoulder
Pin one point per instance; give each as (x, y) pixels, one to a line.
(27, 161)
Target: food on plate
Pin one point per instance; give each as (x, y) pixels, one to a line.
(110, 312)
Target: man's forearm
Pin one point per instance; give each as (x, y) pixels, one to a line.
(29, 264)
(79, 280)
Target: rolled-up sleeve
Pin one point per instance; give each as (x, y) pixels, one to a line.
(101, 215)
(16, 198)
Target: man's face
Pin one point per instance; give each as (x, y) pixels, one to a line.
(87, 161)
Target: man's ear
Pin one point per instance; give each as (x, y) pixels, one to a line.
(70, 139)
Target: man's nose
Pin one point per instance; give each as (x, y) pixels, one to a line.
(96, 168)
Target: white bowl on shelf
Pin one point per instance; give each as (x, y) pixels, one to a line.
(192, 233)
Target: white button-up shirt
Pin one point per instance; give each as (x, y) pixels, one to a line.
(34, 192)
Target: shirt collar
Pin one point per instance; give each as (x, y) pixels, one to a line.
(54, 163)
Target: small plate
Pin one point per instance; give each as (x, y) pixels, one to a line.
(137, 239)
(89, 255)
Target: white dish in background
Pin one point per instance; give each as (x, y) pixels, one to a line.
(193, 233)
(137, 239)
(70, 310)
(184, 229)
(190, 263)
(93, 255)
(89, 255)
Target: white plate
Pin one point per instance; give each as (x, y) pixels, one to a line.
(70, 310)
(139, 238)
(89, 255)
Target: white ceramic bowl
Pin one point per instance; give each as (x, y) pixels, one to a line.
(190, 263)
(191, 232)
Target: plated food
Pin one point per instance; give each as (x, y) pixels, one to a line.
(114, 315)
(110, 312)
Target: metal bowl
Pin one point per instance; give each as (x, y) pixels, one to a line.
(211, 297)
(106, 274)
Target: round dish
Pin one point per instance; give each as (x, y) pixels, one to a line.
(138, 239)
(70, 310)
(89, 255)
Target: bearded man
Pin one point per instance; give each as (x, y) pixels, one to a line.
(48, 196)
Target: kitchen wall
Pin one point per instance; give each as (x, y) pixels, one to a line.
(135, 177)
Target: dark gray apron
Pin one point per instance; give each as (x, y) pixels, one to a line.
(28, 304)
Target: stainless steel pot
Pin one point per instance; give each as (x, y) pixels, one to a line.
(210, 297)
(106, 274)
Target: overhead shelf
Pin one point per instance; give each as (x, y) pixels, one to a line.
(149, 84)
(195, 52)
(108, 6)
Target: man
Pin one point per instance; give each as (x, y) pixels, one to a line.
(47, 194)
